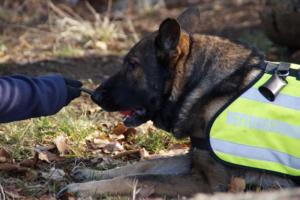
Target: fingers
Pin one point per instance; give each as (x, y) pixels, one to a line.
(73, 89)
(73, 92)
(73, 83)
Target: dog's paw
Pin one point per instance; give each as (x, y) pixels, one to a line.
(80, 174)
(82, 190)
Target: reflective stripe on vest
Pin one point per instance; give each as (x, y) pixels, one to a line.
(257, 133)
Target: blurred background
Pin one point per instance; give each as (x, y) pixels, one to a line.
(86, 40)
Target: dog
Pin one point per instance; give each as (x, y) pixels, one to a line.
(178, 79)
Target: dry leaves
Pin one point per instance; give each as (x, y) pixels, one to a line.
(108, 143)
(61, 144)
(119, 129)
(4, 156)
(54, 174)
(44, 154)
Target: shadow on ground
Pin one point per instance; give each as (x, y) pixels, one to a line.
(95, 68)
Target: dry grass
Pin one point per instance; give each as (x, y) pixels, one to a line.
(52, 28)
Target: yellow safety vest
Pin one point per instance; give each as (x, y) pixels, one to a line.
(257, 133)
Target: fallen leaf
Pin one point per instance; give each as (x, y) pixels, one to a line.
(44, 148)
(48, 156)
(130, 131)
(4, 156)
(144, 154)
(90, 145)
(119, 129)
(100, 143)
(54, 174)
(112, 147)
(237, 184)
(61, 144)
(116, 137)
(145, 128)
(44, 154)
(101, 45)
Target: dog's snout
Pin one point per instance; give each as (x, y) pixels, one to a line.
(97, 96)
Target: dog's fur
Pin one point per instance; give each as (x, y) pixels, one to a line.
(179, 80)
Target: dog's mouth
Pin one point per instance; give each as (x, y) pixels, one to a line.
(135, 117)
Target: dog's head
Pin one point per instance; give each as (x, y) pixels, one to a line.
(143, 84)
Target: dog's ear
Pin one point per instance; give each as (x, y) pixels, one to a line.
(189, 20)
(168, 35)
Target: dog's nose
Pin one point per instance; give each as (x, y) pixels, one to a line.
(96, 96)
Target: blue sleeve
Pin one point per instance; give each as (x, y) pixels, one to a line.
(23, 97)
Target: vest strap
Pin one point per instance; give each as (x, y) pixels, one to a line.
(200, 143)
(282, 67)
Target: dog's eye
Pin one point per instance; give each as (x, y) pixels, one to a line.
(131, 66)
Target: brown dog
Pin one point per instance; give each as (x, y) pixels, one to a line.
(179, 80)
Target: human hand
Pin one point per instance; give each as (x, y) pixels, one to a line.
(73, 89)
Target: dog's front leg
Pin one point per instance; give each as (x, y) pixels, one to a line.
(158, 185)
(171, 165)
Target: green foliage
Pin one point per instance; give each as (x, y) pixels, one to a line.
(156, 140)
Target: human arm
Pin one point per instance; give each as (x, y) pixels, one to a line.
(23, 97)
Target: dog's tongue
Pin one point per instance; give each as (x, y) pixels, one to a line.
(127, 112)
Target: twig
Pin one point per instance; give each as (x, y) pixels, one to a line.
(132, 30)
(2, 193)
(13, 196)
(58, 10)
(92, 9)
(109, 6)
(71, 12)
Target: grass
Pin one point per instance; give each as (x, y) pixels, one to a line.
(76, 121)
(19, 138)
(157, 140)
(66, 52)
